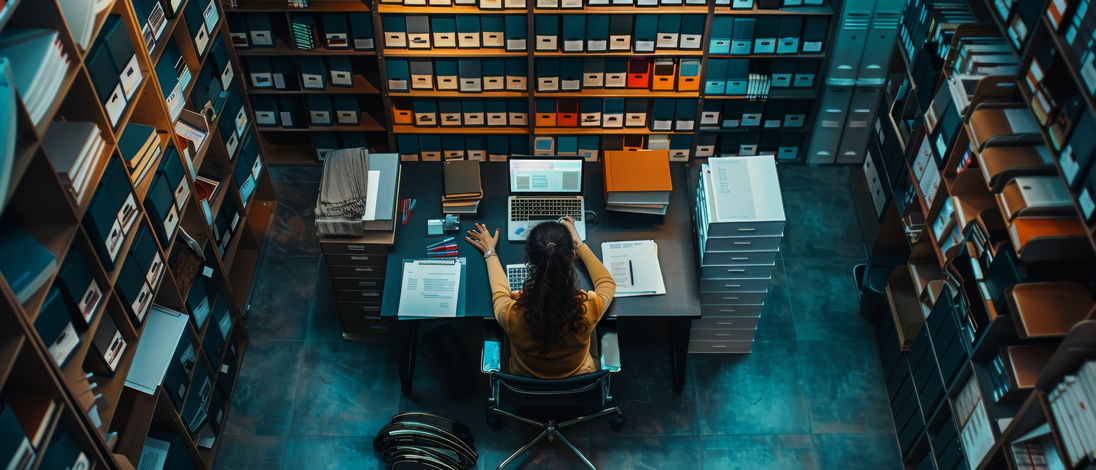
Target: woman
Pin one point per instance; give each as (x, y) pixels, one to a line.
(550, 321)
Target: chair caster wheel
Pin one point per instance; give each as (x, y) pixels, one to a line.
(617, 422)
(494, 421)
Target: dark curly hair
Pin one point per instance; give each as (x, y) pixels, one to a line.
(550, 297)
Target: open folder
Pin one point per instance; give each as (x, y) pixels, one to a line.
(634, 266)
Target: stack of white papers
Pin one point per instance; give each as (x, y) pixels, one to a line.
(163, 328)
(74, 147)
(80, 16)
(40, 65)
(430, 288)
(634, 266)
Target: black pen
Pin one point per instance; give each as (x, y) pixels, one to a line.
(631, 277)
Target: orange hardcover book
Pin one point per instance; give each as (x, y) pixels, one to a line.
(637, 177)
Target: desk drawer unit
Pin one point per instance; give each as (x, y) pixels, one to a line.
(740, 223)
(357, 269)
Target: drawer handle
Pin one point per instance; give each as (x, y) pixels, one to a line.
(718, 346)
(724, 323)
(732, 285)
(747, 230)
(378, 327)
(730, 298)
(367, 308)
(375, 294)
(372, 317)
(742, 258)
(743, 243)
(363, 270)
(355, 247)
(736, 270)
(367, 283)
(722, 334)
(359, 258)
(728, 310)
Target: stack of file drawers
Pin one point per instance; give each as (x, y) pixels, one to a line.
(740, 221)
(357, 269)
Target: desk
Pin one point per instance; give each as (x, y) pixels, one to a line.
(673, 233)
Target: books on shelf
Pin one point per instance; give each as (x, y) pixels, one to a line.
(30, 270)
(637, 181)
(140, 148)
(80, 16)
(39, 63)
(1071, 402)
(304, 32)
(15, 446)
(462, 187)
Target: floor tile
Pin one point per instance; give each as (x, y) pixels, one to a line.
(294, 229)
(847, 390)
(324, 323)
(868, 451)
(770, 452)
(345, 389)
(644, 389)
(822, 217)
(758, 393)
(296, 173)
(824, 302)
(262, 403)
(628, 453)
(332, 453)
(281, 303)
(776, 317)
(495, 446)
(242, 452)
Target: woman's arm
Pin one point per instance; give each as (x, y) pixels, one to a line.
(501, 298)
(604, 285)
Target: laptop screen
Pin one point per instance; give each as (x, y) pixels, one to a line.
(541, 175)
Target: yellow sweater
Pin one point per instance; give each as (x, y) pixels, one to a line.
(570, 358)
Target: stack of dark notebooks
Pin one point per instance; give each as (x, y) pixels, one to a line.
(463, 191)
(304, 31)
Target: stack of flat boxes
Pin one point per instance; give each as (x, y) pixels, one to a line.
(357, 269)
(737, 254)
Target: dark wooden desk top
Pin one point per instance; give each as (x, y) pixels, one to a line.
(673, 233)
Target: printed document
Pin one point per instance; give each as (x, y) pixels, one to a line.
(634, 266)
(430, 288)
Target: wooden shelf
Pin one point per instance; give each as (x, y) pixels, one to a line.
(619, 93)
(600, 131)
(738, 130)
(658, 53)
(384, 8)
(774, 94)
(318, 6)
(818, 56)
(367, 125)
(452, 52)
(283, 49)
(457, 94)
(406, 129)
(824, 10)
(361, 87)
(627, 10)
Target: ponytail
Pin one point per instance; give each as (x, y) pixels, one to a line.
(551, 302)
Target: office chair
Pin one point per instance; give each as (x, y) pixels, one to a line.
(542, 403)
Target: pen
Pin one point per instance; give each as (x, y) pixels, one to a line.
(443, 248)
(447, 240)
(631, 277)
(403, 206)
(409, 210)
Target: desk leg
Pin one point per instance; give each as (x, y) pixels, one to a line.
(407, 331)
(679, 331)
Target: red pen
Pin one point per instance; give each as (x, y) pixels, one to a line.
(443, 248)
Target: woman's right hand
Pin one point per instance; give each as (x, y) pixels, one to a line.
(570, 224)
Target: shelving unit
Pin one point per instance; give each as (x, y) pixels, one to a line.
(41, 203)
(376, 74)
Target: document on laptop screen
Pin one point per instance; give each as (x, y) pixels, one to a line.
(545, 176)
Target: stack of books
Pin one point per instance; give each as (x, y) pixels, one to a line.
(304, 32)
(1072, 402)
(462, 191)
(39, 64)
(140, 148)
(74, 147)
(637, 181)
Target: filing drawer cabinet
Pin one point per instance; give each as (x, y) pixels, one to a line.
(357, 268)
(739, 221)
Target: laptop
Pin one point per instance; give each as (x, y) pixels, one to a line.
(544, 189)
(515, 276)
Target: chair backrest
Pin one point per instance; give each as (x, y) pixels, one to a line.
(514, 392)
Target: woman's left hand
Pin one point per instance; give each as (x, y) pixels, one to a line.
(481, 239)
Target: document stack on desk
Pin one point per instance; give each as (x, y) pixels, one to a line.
(462, 190)
(637, 181)
(431, 288)
(74, 147)
(634, 266)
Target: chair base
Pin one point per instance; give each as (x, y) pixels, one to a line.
(551, 430)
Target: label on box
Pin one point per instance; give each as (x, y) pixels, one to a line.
(89, 302)
(573, 46)
(1088, 71)
(128, 213)
(64, 344)
(232, 142)
(157, 20)
(645, 46)
(771, 123)
(201, 39)
(246, 189)
(660, 125)
(235, 220)
(131, 77)
(114, 240)
(170, 222)
(241, 121)
(113, 354)
(1086, 202)
(144, 301)
(175, 101)
(597, 45)
(1069, 165)
(812, 46)
(155, 270)
(363, 44)
(227, 76)
(211, 16)
(515, 44)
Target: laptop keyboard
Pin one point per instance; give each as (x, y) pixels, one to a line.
(515, 275)
(527, 208)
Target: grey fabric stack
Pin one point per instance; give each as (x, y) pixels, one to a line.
(343, 190)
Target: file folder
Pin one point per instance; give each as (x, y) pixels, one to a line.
(710, 112)
(612, 113)
(748, 142)
(160, 205)
(102, 73)
(361, 31)
(547, 31)
(494, 74)
(588, 147)
(289, 112)
(593, 72)
(544, 145)
(570, 74)
(313, 73)
(738, 76)
(408, 145)
(745, 4)
(517, 74)
(284, 73)
(495, 109)
(789, 147)
(422, 74)
(426, 113)
(804, 73)
(620, 32)
(260, 71)
(705, 145)
(418, 32)
(795, 114)
(616, 72)
(688, 76)
(498, 147)
(493, 31)
(398, 75)
(442, 28)
(567, 146)
(752, 112)
(567, 113)
(395, 31)
(814, 33)
(732, 114)
(326, 142)
(665, 74)
(468, 31)
(715, 81)
(55, 327)
(519, 113)
(474, 114)
(692, 32)
(517, 31)
(403, 112)
(447, 75)
(342, 74)
(453, 147)
(471, 76)
(259, 26)
(546, 112)
(679, 147)
(662, 114)
(347, 112)
(589, 112)
(669, 31)
(765, 33)
(685, 115)
(547, 74)
(722, 29)
(788, 34)
(635, 112)
(646, 33)
(783, 73)
(597, 33)
(774, 113)
(742, 37)
(639, 71)
(335, 31)
(449, 113)
(79, 288)
(237, 27)
(476, 146)
(319, 110)
(574, 33)
(266, 110)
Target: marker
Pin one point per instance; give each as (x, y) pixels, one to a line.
(447, 240)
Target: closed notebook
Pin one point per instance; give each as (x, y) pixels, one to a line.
(462, 179)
